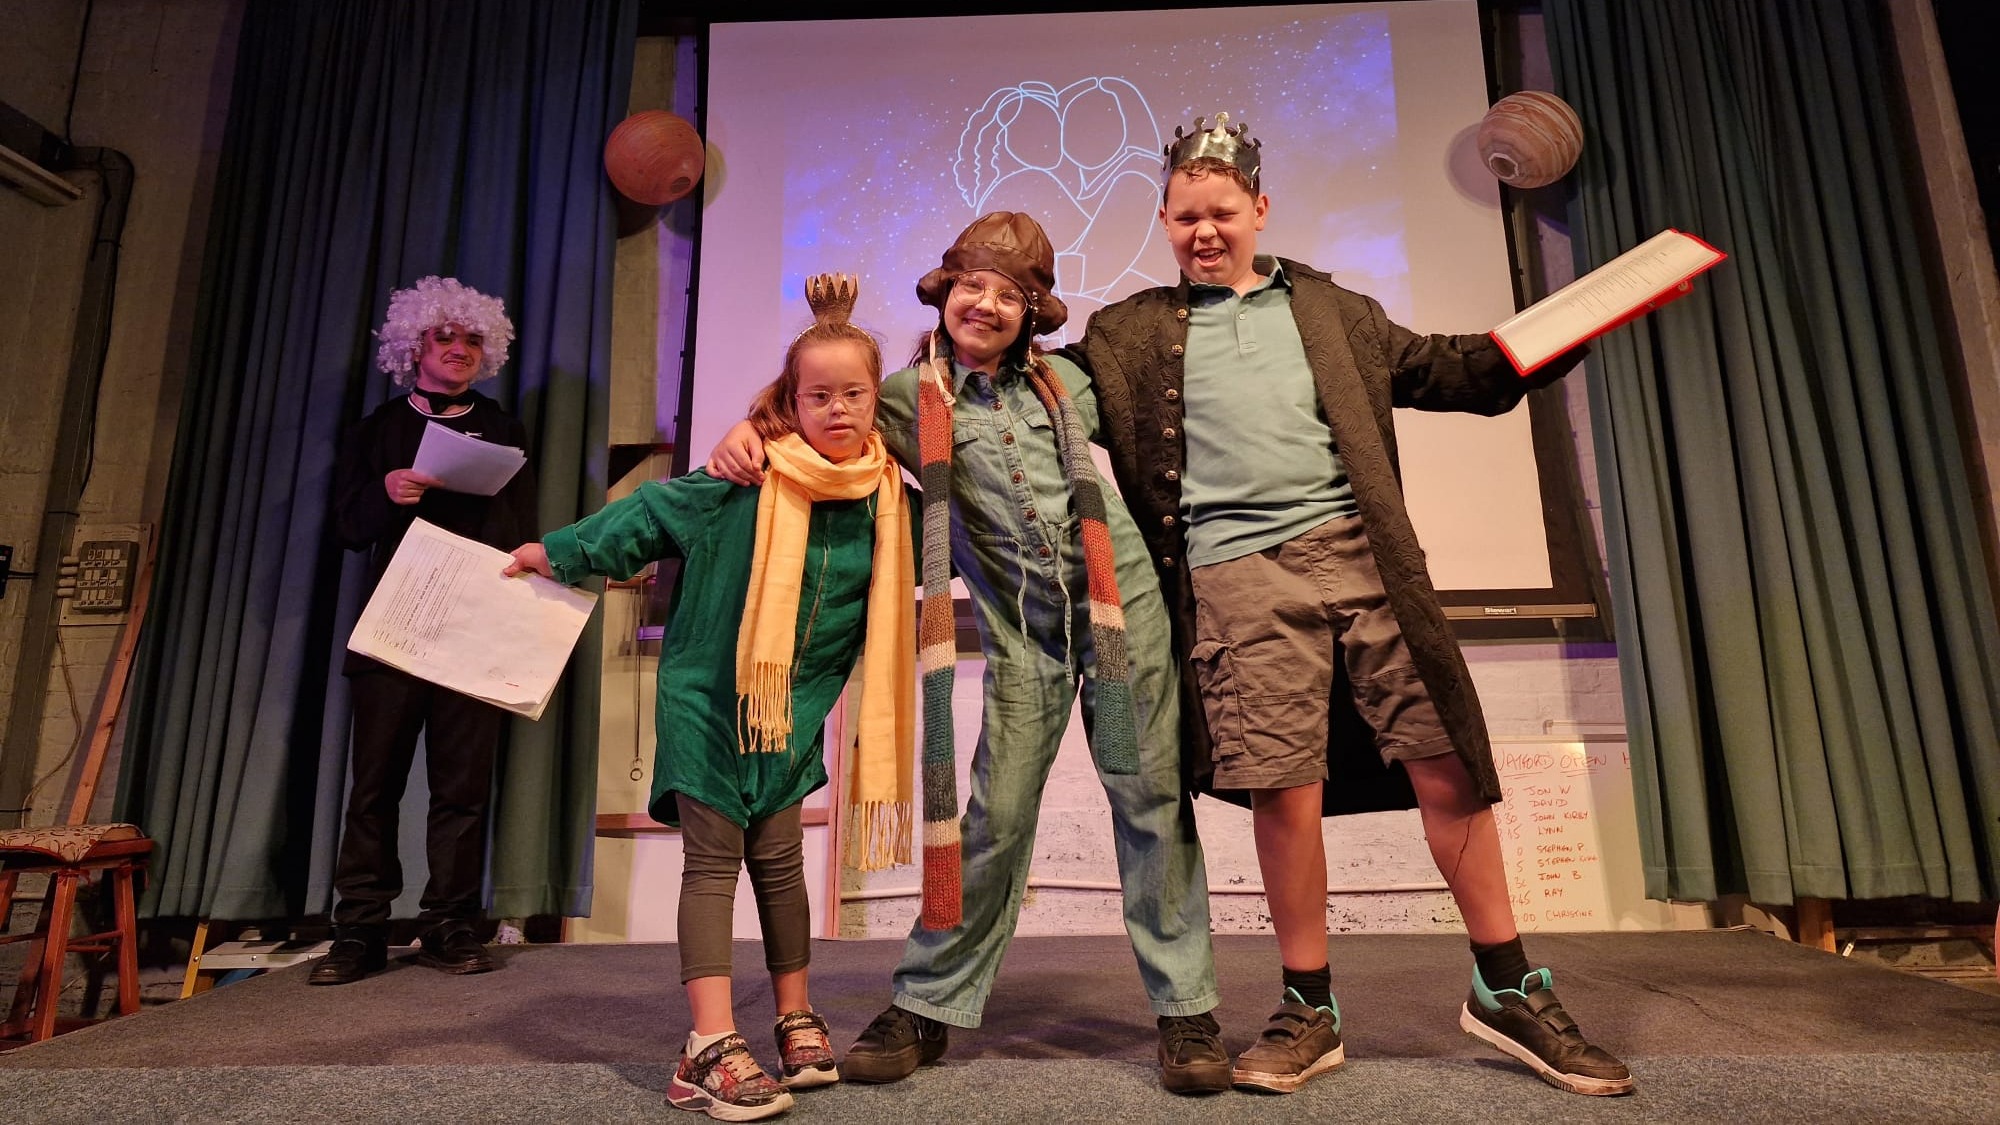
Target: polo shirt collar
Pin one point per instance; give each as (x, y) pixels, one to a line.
(1271, 269)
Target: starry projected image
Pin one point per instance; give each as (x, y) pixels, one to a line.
(881, 178)
(867, 145)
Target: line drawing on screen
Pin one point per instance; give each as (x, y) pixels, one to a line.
(1094, 141)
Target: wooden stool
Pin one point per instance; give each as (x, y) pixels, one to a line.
(68, 854)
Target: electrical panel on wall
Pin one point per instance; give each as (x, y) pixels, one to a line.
(101, 571)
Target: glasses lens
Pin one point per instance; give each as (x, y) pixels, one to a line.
(1009, 303)
(819, 402)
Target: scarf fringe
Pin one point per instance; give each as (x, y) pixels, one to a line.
(878, 834)
(765, 711)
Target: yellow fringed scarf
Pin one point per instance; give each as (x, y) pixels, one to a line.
(881, 786)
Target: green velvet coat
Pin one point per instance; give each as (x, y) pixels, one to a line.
(711, 524)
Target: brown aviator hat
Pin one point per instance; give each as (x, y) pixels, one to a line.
(1009, 243)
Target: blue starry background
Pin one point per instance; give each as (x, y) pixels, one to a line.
(906, 138)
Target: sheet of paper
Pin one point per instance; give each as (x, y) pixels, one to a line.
(1644, 277)
(443, 613)
(464, 463)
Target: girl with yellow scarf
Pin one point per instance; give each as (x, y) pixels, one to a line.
(783, 588)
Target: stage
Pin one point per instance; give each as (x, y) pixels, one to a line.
(1717, 1026)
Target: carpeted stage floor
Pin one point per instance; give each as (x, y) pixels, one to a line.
(1717, 1026)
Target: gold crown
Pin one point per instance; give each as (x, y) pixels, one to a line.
(1233, 146)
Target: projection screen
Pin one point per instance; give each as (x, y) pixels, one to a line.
(866, 145)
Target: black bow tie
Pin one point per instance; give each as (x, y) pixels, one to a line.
(441, 402)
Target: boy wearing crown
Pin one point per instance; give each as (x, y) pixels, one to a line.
(1248, 415)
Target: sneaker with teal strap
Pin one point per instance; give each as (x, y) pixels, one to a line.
(1301, 1041)
(1529, 1023)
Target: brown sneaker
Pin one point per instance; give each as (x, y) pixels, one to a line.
(1192, 1060)
(1529, 1023)
(1300, 1042)
(805, 1051)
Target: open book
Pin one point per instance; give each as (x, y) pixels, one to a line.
(1631, 285)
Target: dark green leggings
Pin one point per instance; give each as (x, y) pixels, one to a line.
(716, 849)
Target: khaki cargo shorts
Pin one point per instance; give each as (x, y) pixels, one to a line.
(1268, 628)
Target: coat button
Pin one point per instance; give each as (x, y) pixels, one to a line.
(998, 405)
(1172, 474)
(1173, 394)
(1007, 438)
(1042, 551)
(1028, 514)
(1177, 349)
(1170, 433)
(1167, 561)
(1017, 476)
(1167, 521)
(1180, 314)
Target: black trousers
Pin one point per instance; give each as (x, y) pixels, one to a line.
(461, 735)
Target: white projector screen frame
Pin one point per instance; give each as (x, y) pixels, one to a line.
(866, 145)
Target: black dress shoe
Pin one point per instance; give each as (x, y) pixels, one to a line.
(455, 950)
(349, 960)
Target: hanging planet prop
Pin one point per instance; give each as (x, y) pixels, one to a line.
(653, 157)
(1530, 139)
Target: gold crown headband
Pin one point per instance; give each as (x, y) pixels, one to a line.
(1232, 146)
(831, 297)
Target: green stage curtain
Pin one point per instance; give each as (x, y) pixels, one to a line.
(1810, 653)
(369, 143)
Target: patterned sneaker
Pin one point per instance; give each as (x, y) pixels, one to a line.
(894, 1046)
(1529, 1023)
(805, 1051)
(726, 1083)
(1301, 1041)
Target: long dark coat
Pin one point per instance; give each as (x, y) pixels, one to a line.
(1363, 365)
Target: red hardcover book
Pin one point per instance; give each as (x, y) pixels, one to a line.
(1629, 286)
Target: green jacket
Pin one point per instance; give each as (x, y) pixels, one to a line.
(711, 525)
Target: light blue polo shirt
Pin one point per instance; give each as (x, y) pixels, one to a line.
(1261, 466)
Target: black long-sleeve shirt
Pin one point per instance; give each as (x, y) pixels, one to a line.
(365, 519)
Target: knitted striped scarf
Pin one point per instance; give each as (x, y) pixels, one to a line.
(1115, 735)
(937, 656)
(1115, 741)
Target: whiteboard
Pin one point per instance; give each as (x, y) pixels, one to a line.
(1570, 838)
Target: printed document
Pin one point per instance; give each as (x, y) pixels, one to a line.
(444, 613)
(464, 463)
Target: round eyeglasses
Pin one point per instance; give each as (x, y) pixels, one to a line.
(1007, 301)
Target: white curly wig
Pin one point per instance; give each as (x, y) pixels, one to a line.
(432, 301)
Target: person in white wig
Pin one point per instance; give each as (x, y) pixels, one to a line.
(440, 337)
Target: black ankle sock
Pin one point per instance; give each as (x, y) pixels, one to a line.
(1501, 966)
(1314, 986)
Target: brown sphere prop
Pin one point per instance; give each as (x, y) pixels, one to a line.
(653, 157)
(1530, 139)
